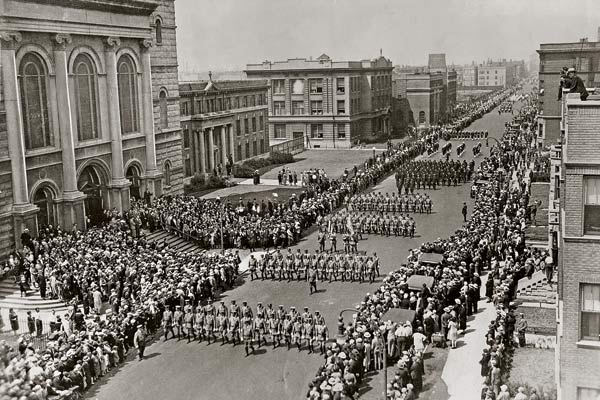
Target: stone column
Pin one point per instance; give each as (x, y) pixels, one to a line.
(211, 150)
(223, 145)
(22, 210)
(192, 153)
(119, 185)
(72, 199)
(201, 151)
(152, 175)
(231, 142)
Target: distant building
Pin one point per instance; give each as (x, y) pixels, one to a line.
(469, 76)
(425, 93)
(582, 55)
(491, 75)
(222, 121)
(330, 103)
(437, 64)
(578, 235)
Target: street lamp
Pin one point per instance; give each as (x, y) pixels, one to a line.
(221, 211)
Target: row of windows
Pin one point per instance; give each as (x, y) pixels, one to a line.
(316, 107)
(221, 104)
(316, 131)
(247, 121)
(315, 86)
(34, 86)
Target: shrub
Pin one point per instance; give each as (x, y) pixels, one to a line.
(281, 158)
(199, 182)
(243, 171)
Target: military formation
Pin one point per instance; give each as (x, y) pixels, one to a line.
(241, 324)
(320, 265)
(383, 224)
(380, 202)
(461, 135)
(429, 174)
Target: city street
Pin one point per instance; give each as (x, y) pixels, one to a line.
(177, 370)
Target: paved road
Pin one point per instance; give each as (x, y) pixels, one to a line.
(177, 370)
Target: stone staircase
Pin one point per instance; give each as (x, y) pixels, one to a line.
(10, 297)
(537, 289)
(174, 241)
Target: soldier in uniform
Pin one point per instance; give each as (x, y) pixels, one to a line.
(321, 332)
(247, 331)
(234, 327)
(167, 323)
(252, 264)
(178, 321)
(199, 322)
(209, 325)
(189, 325)
(312, 280)
(297, 331)
(222, 323)
(274, 325)
(288, 328)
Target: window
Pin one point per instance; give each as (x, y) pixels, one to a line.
(167, 173)
(278, 107)
(239, 152)
(588, 394)
(34, 102)
(186, 138)
(253, 124)
(279, 131)
(591, 211)
(278, 86)
(421, 117)
(590, 312)
(340, 86)
(262, 146)
(245, 101)
(236, 102)
(316, 107)
(252, 101)
(184, 108)
(158, 31)
(164, 112)
(128, 96)
(246, 126)
(316, 86)
(254, 148)
(341, 131)
(238, 127)
(261, 123)
(86, 91)
(247, 149)
(341, 107)
(298, 86)
(297, 107)
(316, 131)
(198, 107)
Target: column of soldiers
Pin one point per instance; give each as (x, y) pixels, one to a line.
(237, 325)
(460, 134)
(384, 224)
(431, 173)
(321, 265)
(377, 201)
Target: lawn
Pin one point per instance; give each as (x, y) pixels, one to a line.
(542, 320)
(533, 368)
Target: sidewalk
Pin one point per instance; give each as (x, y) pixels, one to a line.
(461, 372)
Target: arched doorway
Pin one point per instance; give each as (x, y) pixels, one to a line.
(43, 198)
(92, 186)
(133, 174)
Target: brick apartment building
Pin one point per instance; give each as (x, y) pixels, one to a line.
(585, 57)
(89, 110)
(332, 104)
(222, 121)
(426, 95)
(578, 314)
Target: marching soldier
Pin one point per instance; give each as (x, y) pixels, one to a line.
(167, 323)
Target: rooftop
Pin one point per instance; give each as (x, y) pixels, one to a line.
(323, 62)
(116, 6)
(210, 85)
(582, 45)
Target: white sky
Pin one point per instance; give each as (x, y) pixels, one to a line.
(228, 34)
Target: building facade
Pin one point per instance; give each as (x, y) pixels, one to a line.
(426, 95)
(582, 55)
(469, 76)
(491, 75)
(78, 106)
(437, 64)
(332, 104)
(222, 121)
(578, 315)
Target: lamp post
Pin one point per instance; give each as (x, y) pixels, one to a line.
(221, 211)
